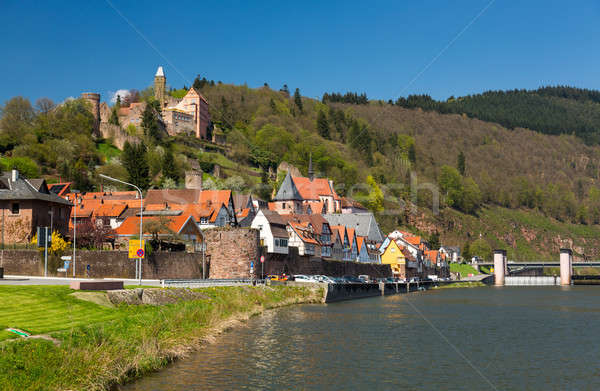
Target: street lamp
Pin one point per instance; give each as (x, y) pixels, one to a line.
(75, 192)
(141, 215)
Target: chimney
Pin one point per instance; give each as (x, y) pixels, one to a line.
(14, 175)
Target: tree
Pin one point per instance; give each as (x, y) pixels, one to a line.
(135, 162)
(471, 196)
(169, 169)
(323, 125)
(461, 163)
(434, 241)
(412, 153)
(482, 249)
(285, 90)
(375, 199)
(150, 122)
(114, 118)
(466, 252)
(298, 100)
(450, 183)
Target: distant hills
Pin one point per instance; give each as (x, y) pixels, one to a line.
(549, 110)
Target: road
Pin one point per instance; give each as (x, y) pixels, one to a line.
(33, 280)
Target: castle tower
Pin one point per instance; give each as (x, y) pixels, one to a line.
(160, 84)
(94, 99)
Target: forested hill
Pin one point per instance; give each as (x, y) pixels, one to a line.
(550, 110)
(519, 189)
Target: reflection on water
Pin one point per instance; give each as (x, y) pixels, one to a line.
(518, 337)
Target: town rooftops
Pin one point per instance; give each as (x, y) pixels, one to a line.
(131, 225)
(60, 189)
(288, 190)
(276, 222)
(364, 224)
(315, 188)
(15, 187)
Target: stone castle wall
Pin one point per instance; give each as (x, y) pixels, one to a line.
(106, 264)
(231, 250)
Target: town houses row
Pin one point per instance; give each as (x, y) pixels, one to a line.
(307, 218)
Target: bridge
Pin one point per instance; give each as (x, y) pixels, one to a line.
(502, 276)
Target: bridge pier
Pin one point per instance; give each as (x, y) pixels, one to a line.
(499, 267)
(566, 266)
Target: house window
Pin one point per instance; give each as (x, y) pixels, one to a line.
(283, 242)
(15, 208)
(277, 242)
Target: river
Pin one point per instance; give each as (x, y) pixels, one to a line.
(488, 338)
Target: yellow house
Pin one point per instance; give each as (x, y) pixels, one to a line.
(394, 257)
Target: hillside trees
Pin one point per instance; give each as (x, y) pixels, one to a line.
(323, 125)
(134, 161)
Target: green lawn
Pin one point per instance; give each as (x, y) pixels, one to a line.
(108, 151)
(101, 346)
(463, 269)
(45, 309)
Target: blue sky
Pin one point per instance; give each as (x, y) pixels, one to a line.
(60, 49)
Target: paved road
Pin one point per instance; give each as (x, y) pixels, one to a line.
(31, 280)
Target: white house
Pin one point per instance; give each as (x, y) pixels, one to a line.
(273, 233)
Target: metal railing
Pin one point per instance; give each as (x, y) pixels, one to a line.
(199, 283)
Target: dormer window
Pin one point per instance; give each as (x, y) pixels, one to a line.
(15, 208)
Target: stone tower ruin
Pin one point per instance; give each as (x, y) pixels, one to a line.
(160, 84)
(94, 99)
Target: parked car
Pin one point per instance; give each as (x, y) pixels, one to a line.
(364, 278)
(352, 279)
(414, 279)
(304, 278)
(326, 279)
(275, 277)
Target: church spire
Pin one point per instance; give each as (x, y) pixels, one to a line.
(311, 173)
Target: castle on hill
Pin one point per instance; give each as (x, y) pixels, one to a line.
(187, 115)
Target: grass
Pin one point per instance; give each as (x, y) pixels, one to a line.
(100, 346)
(108, 151)
(463, 269)
(464, 284)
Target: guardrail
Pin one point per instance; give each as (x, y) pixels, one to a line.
(200, 283)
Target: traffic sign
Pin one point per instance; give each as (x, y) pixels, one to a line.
(251, 265)
(66, 257)
(262, 259)
(135, 247)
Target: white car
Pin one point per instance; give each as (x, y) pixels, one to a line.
(304, 278)
(326, 279)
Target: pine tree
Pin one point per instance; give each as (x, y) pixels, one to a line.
(323, 125)
(285, 90)
(461, 165)
(169, 169)
(412, 153)
(150, 122)
(114, 118)
(135, 162)
(298, 100)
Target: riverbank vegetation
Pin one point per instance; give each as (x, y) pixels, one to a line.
(93, 347)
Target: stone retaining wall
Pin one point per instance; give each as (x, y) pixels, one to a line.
(103, 264)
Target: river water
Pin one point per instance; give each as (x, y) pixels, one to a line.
(488, 338)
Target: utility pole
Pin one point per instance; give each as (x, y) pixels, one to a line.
(75, 192)
(139, 260)
(45, 251)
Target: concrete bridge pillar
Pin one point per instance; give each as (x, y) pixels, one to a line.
(499, 267)
(566, 266)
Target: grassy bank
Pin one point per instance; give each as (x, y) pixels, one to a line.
(100, 346)
(464, 284)
(463, 269)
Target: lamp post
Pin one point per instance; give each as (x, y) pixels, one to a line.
(75, 192)
(141, 215)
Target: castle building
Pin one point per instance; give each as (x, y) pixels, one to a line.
(188, 115)
(160, 85)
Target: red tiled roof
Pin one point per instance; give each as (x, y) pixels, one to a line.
(350, 235)
(131, 225)
(303, 232)
(311, 190)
